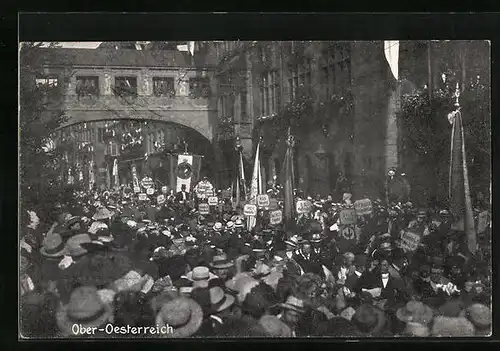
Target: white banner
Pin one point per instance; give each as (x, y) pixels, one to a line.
(391, 51)
(184, 171)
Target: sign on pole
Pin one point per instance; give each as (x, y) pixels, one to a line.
(250, 210)
(137, 189)
(409, 241)
(276, 217)
(142, 197)
(213, 200)
(164, 189)
(204, 209)
(160, 199)
(348, 216)
(348, 232)
(150, 191)
(304, 206)
(363, 207)
(263, 200)
(147, 182)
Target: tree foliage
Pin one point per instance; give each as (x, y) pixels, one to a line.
(40, 162)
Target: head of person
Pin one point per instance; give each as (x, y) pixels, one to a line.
(436, 273)
(421, 216)
(348, 259)
(384, 266)
(306, 248)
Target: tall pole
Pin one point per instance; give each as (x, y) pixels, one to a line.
(429, 68)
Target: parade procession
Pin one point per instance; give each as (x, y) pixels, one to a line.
(180, 249)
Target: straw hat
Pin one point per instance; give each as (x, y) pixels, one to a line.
(413, 329)
(200, 276)
(221, 261)
(274, 327)
(238, 223)
(102, 213)
(294, 304)
(293, 241)
(184, 315)
(479, 315)
(74, 245)
(218, 226)
(53, 246)
(219, 300)
(316, 238)
(85, 308)
(416, 312)
(230, 225)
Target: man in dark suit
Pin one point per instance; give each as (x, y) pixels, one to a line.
(307, 260)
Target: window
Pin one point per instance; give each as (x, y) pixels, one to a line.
(293, 82)
(150, 143)
(125, 86)
(270, 93)
(164, 86)
(199, 88)
(264, 94)
(226, 105)
(275, 92)
(112, 149)
(87, 86)
(243, 106)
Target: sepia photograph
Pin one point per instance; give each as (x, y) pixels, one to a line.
(255, 189)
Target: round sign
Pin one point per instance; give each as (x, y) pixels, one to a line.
(184, 170)
(147, 182)
(348, 233)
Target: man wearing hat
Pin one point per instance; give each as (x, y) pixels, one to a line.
(291, 312)
(221, 267)
(420, 225)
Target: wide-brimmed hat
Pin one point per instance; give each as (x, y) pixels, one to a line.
(85, 308)
(452, 327)
(53, 246)
(413, 329)
(200, 274)
(293, 303)
(316, 238)
(274, 327)
(385, 246)
(184, 315)
(238, 223)
(219, 300)
(74, 244)
(71, 221)
(415, 311)
(261, 271)
(369, 319)
(102, 213)
(221, 261)
(479, 315)
(230, 225)
(217, 226)
(293, 241)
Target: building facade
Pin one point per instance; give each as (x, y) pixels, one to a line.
(133, 106)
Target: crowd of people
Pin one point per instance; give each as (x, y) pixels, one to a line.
(109, 264)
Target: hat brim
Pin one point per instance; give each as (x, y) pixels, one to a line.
(424, 318)
(65, 324)
(100, 218)
(230, 299)
(291, 307)
(290, 243)
(58, 254)
(222, 265)
(190, 328)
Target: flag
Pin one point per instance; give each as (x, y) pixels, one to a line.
(184, 171)
(242, 175)
(135, 178)
(108, 178)
(91, 175)
(391, 50)
(289, 181)
(255, 187)
(115, 173)
(191, 47)
(459, 192)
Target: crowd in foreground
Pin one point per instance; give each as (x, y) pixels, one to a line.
(108, 265)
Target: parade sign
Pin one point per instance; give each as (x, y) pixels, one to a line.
(160, 199)
(137, 189)
(204, 209)
(150, 191)
(348, 232)
(213, 200)
(276, 217)
(348, 216)
(142, 197)
(482, 222)
(147, 182)
(409, 241)
(263, 200)
(164, 189)
(304, 206)
(250, 210)
(273, 204)
(363, 207)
